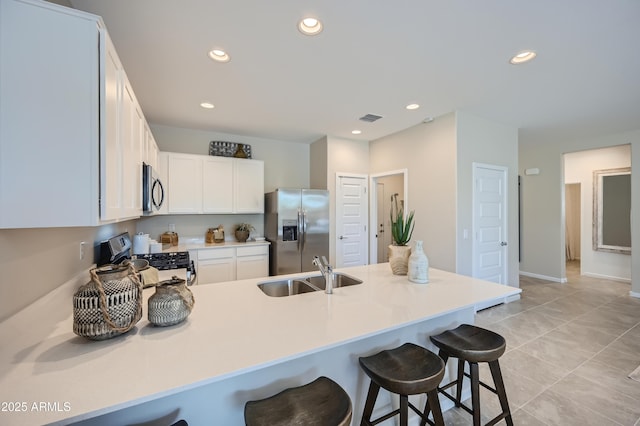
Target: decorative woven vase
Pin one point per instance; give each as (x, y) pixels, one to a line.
(171, 303)
(109, 305)
(399, 259)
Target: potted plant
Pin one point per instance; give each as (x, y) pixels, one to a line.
(243, 231)
(401, 231)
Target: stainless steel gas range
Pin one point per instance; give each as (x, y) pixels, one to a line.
(172, 263)
(178, 263)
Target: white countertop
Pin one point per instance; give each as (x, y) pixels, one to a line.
(41, 360)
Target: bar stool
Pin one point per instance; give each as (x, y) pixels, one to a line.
(473, 344)
(406, 370)
(319, 403)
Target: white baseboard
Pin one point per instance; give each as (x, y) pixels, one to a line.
(634, 294)
(543, 277)
(606, 277)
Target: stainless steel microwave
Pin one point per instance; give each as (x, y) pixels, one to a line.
(153, 193)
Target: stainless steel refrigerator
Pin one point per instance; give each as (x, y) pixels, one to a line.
(296, 223)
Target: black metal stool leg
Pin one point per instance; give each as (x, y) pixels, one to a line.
(372, 395)
(404, 410)
(500, 390)
(459, 383)
(432, 398)
(475, 392)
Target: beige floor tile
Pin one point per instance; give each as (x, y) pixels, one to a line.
(522, 418)
(609, 377)
(624, 361)
(526, 365)
(611, 404)
(560, 410)
(627, 343)
(553, 349)
(586, 338)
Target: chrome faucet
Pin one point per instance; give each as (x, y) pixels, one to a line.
(327, 272)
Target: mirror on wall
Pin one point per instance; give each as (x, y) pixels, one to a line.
(612, 210)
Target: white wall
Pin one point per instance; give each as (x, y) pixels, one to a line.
(578, 168)
(483, 141)
(543, 235)
(428, 152)
(318, 164)
(36, 261)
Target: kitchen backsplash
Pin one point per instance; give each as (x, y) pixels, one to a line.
(195, 226)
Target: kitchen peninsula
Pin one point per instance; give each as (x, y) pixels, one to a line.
(238, 344)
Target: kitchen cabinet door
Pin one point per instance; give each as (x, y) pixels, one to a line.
(217, 185)
(252, 262)
(132, 133)
(150, 149)
(248, 186)
(111, 148)
(216, 265)
(49, 116)
(184, 178)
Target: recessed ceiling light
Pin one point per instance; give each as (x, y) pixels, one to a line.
(356, 132)
(412, 106)
(310, 26)
(219, 55)
(522, 57)
(207, 105)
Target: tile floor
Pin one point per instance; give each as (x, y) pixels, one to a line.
(570, 348)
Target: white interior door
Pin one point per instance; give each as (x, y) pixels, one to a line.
(351, 220)
(490, 247)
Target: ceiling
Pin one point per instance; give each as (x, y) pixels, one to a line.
(375, 57)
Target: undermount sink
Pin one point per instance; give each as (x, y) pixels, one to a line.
(339, 280)
(290, 287)
(283, 288)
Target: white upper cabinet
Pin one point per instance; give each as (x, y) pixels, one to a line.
(248, 185)
(49, 117)
(217, 185)
(214, 185)
(184, 186)
(71, 129)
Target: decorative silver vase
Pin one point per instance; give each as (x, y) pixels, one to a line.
(171, 303)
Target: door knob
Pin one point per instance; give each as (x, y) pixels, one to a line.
(503, 243)
(342, 238)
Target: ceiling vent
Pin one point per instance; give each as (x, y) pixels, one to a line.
(370, 118)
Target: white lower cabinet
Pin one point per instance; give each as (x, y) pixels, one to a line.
(252, 262)
(222, 264)
(216, 265)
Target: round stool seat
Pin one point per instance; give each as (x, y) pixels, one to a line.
(471, 343)
(406, 370)
(319, 403)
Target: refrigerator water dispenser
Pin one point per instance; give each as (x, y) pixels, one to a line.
(289, 230)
